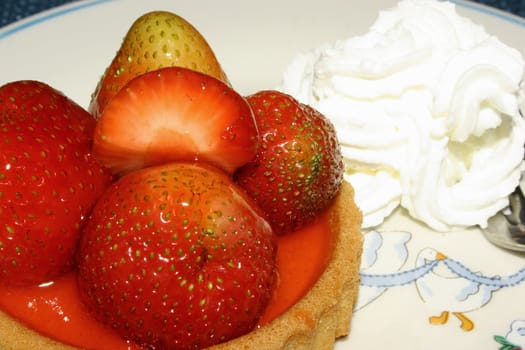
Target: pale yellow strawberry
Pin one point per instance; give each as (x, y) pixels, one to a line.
(155, 40)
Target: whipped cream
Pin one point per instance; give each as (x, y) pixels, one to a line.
(427, 112)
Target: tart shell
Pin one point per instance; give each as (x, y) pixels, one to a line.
(315, 322)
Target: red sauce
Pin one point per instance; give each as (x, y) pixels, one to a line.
(302, 257)
(56, 311)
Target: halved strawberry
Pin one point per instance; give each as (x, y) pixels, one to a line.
(49, 181)
(177, 257)
(175, 114)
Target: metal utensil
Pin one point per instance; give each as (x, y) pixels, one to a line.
(507, 228)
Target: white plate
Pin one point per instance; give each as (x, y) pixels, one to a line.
(69, 47)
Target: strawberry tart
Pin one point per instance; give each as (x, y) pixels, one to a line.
(174, 213)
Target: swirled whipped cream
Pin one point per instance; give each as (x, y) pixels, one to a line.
(426, 109)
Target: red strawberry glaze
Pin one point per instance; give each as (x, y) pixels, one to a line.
(55, 309)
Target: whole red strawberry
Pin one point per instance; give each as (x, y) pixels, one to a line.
(48, 181)
(177, 257)
(298, 169)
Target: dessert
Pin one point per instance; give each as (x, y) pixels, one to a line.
(320, 316)
(130, 248)
(426, 109)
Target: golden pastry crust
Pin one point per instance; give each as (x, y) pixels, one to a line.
(314, 323)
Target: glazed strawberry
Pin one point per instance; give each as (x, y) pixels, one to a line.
(177, 257)
(298, 169)
(155, 40)
(49, 181)
(175, 114)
